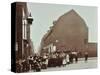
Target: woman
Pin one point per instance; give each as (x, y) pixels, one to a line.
(67, 59)
(64, 61)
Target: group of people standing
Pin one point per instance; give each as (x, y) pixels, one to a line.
(32, 63)
(62, 59)
(37, 62)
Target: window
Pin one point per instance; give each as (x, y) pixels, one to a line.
(24, 26)
(16, 46)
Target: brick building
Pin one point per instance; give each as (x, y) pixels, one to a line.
(23, 22)
(68, 33)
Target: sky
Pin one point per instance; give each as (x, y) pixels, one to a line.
(44, 15)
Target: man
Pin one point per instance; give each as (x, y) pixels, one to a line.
(45, 62)
(76, 57)
(18, 66)
(71, 57)
(86, 56)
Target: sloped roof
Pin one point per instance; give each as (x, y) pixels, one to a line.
(70, 15)
(72, 11)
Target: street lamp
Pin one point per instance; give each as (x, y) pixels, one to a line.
(30, 19)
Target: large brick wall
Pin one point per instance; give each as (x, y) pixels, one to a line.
(71, 32)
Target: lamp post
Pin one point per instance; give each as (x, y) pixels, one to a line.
(30, 19)
(29, 22)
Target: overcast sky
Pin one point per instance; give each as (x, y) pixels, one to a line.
(45, 14)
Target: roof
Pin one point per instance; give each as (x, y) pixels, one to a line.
(71, 12)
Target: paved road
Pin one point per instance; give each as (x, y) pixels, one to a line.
(91, 63)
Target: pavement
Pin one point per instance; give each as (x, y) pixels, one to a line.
(81, 64)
